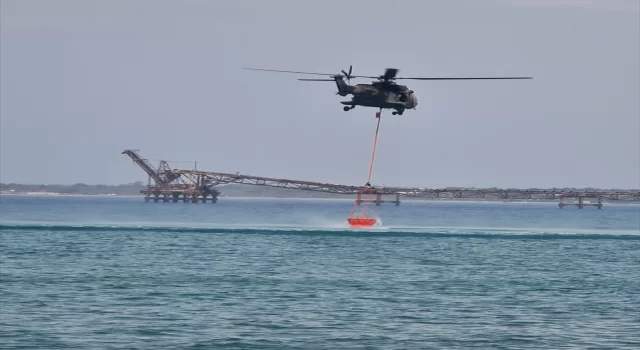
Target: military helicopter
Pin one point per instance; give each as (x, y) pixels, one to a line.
(382, 94)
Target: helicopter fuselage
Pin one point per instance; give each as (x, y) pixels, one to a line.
(378, 95)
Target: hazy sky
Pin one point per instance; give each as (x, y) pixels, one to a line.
(82, 80)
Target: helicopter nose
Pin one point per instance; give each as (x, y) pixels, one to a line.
(414, 100)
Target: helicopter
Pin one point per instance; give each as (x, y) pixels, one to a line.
(383, 93)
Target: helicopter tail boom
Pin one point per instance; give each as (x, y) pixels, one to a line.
(344, 89)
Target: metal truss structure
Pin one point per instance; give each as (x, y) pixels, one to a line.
(194, 184)
(215, 178)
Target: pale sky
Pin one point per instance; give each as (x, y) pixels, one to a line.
(82, 80)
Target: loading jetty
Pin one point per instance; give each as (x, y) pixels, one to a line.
(196, 186)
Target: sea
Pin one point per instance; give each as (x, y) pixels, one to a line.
(85, 272)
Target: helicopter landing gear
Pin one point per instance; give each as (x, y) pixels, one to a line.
(347, 108)
(399, 112)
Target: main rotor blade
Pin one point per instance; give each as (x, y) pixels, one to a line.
(390, 73)
(467, 78)
(316, 79)
(288, 71)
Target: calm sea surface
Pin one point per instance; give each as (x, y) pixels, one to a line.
(116, 273)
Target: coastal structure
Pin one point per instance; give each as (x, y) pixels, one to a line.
(190, 185)
(172, 186)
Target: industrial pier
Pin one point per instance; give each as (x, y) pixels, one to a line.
(194, 186)
(172, 186)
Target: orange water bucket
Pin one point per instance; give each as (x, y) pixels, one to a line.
(361, 222)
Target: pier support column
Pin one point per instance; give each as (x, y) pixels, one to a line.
(397, 199)
(599, 202)
(378, 199)
(580, 202)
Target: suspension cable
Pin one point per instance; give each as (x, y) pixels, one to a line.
(375, 142)
(368, 188)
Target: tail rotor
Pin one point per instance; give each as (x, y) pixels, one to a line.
(348, 75)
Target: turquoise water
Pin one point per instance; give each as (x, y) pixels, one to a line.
(92, 272)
